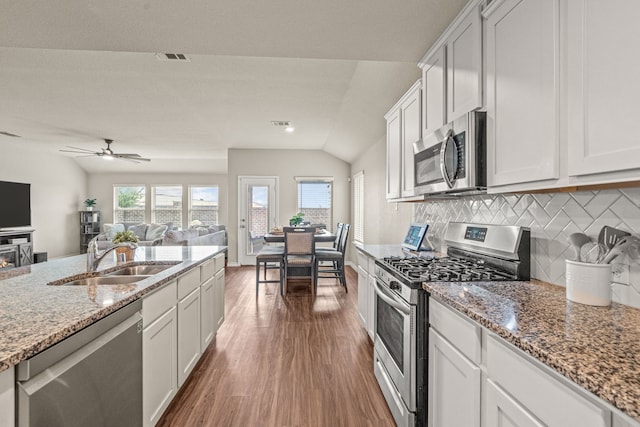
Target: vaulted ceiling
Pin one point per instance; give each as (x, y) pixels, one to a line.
(73, 72)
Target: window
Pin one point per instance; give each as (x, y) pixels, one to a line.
(358, 207)
(129, 203)
(166, 204)
(203, 204)
(315, 200)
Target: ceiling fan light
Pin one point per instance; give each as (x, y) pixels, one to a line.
(289, 129)
(107, 157)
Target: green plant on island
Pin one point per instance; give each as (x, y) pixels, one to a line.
(125, 237)
(90, 203)
(296, 220)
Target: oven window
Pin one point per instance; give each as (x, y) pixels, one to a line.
(389, 328)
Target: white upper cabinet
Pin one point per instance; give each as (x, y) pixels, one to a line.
(404, 127)
(464, 65)
(410, 113)
(393, 154)
(452, 71)
(522, 67)
(603, 88)
(433, 82)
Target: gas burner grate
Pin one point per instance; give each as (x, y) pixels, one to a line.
(449, 269)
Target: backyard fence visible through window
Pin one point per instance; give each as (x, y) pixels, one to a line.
(315, 200)
(129, 203)
(166, 204)
(203, 204)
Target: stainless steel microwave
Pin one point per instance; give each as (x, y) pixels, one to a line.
(452, 160)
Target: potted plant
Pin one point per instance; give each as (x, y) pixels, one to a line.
(122, 238)
(90, 204)
(296, 220)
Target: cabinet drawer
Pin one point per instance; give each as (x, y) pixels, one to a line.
(207, 270)
(188, 282)
(157, 303)
(219, 261)
(461, 332)
(550, 401)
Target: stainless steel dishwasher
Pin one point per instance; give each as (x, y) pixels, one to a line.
(92, 378)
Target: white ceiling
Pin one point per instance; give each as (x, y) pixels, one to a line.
(73, 72)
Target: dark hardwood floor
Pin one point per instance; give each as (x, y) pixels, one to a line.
(293, 361)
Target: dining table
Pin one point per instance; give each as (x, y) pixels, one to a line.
(319, 237)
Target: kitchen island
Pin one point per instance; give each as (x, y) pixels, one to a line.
(35, 315)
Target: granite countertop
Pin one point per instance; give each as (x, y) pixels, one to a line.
(34, 315)
(598, 348)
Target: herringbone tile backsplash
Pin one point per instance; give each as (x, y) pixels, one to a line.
(551, 217)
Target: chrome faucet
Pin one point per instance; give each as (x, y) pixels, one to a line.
(94, 256)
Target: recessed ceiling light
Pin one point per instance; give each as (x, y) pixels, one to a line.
(289, 129)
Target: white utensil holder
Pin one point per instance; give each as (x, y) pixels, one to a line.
(588, 283)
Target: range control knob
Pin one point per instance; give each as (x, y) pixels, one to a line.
(395, 286)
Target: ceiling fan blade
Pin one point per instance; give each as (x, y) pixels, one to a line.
(78, 150)
(128, 155)
(135, 158)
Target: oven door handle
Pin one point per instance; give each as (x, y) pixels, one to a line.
(391, 301)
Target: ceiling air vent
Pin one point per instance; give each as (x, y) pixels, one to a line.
(172, 57)
(281, 123)
(9, 134)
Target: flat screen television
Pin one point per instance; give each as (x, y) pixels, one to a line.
(15, 208)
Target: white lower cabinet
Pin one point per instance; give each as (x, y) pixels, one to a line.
(366, 292)
(7, 398)
(503, 410)
(475, 378)
(208, 325)
(454, 377)
(188, 334)
(160, 366)
(363, 291)
(159, 352)
(542, 396)
(218, 312)
(180, 320)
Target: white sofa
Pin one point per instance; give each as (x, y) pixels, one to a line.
(215, 235)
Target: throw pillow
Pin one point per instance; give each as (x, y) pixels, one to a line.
(155, 231)
(140, 230)
(111, 229)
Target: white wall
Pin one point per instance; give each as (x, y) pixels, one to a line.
(384, 222)
(58, 187)
(101, 187)
(286, 164)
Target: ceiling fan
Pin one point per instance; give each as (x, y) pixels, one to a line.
(107, 153)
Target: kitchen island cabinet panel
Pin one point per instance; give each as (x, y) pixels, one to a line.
(522, 65)
(160, 366)
(218, 312)
(603, 89)
(7, 398)
(188, 334)
(208, 325)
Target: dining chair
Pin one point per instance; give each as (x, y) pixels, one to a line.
(299, 252)
(336, 242)
(270, 255)
(335, 269)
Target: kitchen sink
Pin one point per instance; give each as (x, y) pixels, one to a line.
(137, 270)
(106, 280)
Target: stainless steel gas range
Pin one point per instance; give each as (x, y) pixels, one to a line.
(475, 252)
